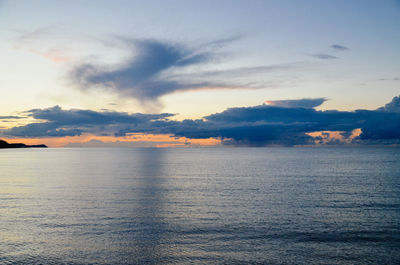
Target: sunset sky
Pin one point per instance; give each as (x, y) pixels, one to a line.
(184, 73)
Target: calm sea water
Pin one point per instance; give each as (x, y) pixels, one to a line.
(200, 206)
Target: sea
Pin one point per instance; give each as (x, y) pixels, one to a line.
(217, 205)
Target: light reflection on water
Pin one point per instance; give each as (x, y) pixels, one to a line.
(206, 205)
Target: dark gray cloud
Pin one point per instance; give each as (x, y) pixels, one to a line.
(58, 122)
(157, 68)
(90, 117)
(266, 125)
(38, 130)
(327, 56)
(339, 47)
(384, 124)
(297, 103)
(10, 117)
(142, 75)
(381, 128)
(253, 126)
(324, 56)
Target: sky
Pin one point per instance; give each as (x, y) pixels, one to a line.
(193, 73)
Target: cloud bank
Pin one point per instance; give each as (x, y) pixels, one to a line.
(286, 123)
(59, 122)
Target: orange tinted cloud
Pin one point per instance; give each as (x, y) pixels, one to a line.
(53, 55)
(323, 137)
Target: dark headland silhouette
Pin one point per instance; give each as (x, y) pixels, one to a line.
(4, 144)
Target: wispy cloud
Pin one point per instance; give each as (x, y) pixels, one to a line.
(157, 68)
(297, 103)
(324, 56)
(53, 54)
(10, 117)
(33, 42)
(141, 76)
(25, 38)
(389, 79)
(339, 47)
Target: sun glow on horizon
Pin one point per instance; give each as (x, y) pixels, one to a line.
(130, 140)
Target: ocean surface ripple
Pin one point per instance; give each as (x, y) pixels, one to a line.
(338, 205)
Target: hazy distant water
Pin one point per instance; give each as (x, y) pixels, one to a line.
(197, 206)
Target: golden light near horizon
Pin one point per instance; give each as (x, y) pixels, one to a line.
(130, 140)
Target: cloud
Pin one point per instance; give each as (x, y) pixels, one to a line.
(339, 47)
(233, 78)
(393, 106)
(141, 76)
(289, 122)
(90, 117)
(297, 103)
(266, 125)
(222, 42)
(327, 56)
(58, 122)
(324, 56)
(28, 37)
(385, 125)
(156, 68)
(53, 54)
(389, 79)
(45, 42)
(382, 128)
(10, 117)
(39, 130)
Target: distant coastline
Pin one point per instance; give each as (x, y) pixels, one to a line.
(4, 144)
